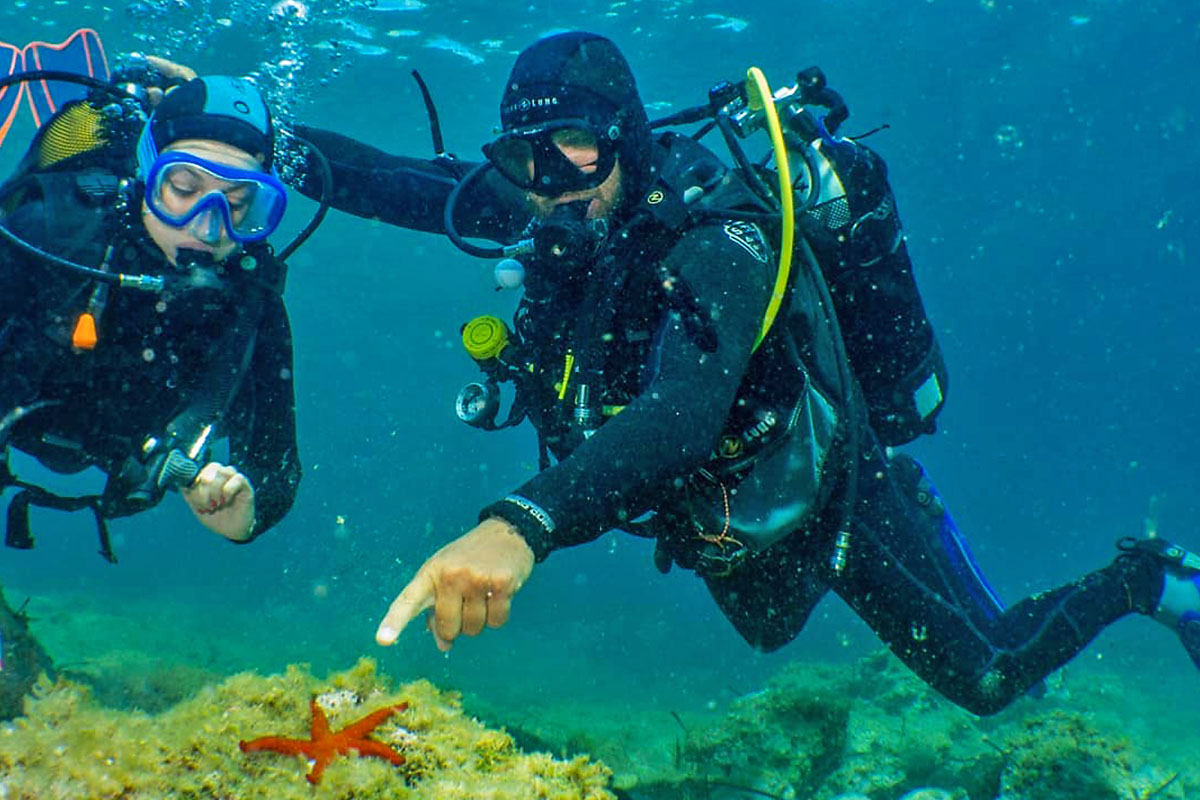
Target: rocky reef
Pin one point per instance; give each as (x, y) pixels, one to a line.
(868, 730)
(68, 746)
(873, 731)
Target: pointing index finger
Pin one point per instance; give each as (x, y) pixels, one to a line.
(416, 597)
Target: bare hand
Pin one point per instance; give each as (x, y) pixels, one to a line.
(223, 500)
(170, 70)
(468, 583)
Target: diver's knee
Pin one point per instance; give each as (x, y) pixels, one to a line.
(985, 695)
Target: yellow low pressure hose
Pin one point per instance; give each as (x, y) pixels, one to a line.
(758, 95)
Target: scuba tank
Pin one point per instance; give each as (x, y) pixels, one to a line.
(847, 215)
(858, 242)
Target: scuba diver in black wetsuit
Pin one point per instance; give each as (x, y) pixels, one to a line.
(698, 375)
(142, 319)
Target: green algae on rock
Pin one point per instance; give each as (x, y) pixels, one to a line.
(68, 746)
(871, 730)
(880, 732)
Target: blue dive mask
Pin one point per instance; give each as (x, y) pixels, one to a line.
(186, 191)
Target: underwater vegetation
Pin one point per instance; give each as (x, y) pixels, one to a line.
(69, 746)
(863, 731)
(873, 731)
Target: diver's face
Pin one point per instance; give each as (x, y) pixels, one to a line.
(603, 199)
(184, 187)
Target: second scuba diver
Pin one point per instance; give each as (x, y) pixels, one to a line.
(142, 320)
(685, 386)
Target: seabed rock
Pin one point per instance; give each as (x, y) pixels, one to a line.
(68, 746)
(873, 731)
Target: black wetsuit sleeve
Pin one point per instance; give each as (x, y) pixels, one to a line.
(410, 192)
(671, 428)
(263, 444)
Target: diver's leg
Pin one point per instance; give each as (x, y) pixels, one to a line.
(905, 578)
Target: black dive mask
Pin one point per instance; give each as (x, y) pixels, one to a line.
(533, 158)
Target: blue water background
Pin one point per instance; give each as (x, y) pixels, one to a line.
(1045, 158)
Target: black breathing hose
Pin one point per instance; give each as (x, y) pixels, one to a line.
(448, 218)
(319, 216)
(71, 77)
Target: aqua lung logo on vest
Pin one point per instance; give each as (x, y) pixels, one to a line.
(747, 236)
(530, 103)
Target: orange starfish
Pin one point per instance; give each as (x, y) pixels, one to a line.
(323, 746)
